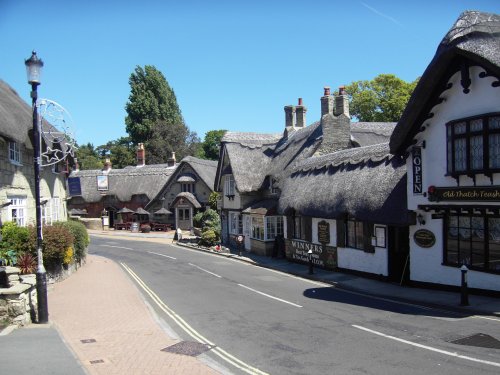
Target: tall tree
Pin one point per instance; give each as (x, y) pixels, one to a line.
(88, 157)
(167, 137)
(151, 101)
(211, 144)
(382, 99)
(121, 152)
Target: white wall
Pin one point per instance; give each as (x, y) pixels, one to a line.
(425, 265)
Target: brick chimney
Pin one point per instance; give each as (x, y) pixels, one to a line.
(107, 165)
(336, 126)
(141, 155)
(171, 160)
(326, 102)
(289, 116)
(342, 103)
(300, 114)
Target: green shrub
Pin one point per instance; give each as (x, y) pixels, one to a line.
(14, 238)
(81, 238)
(197, 219)
(212, 200)
(56, 240)
(208, 238)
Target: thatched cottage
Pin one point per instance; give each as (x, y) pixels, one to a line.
(17, 181)
(451, 132)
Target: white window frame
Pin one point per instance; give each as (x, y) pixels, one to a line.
(187, 187)
(274, 227)
(19, 205)
(15, 153)
(235, 223)
(229, 185)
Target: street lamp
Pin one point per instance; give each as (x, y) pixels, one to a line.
(34, 70)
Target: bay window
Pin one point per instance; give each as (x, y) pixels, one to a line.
(266, 228)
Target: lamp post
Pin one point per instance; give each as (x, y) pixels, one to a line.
(34, 69)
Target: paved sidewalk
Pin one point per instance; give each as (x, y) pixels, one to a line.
(435, 298)
(103, 318)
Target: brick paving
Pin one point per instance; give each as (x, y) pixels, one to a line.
(100, 302)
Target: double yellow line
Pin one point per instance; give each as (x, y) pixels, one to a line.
(190, 330)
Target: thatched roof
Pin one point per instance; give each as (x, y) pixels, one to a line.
(367, 182)
(475, 37)
(254, 156)
(263, 207)
(187, 196)
(204, 170)
(124, 183)
(16, 124)
(15, 116)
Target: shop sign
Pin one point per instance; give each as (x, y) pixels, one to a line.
(417, 170)
(464, 194)
(322, 256)
(324, 232)
(424, 238)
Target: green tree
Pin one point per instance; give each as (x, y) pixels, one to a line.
(211, 145)
(151, 102)
(88, 157)
(121, 152)
(167, 137)
(382, 99)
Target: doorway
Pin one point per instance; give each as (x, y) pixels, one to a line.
(399, 254)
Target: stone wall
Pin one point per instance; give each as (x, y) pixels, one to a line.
(17, 297)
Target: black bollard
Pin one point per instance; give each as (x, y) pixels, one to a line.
(464, 292)
(311, 271)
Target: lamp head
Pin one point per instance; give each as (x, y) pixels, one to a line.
(34, 67)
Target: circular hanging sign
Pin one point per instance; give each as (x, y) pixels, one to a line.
(424, 238)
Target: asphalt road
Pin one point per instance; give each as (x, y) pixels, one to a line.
(262, 320)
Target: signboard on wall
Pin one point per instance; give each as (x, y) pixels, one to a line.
(74, 186)
(322, 255)
(324, 232)
(424, 238)
(475, 194)
(417, 169)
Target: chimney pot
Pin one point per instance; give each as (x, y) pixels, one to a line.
(141, 155)
(342, 90)
(327, 91)
(300, 101)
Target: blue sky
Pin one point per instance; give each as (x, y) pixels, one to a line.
(233, 64)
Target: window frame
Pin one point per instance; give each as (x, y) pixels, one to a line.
(468, 231)
(452, 137)
(235, 223)
(275, 225)
(359, 230)
(257, 231)
(298, 228)
(229, 185)
(15, 150)
(18, 203)
(188, 187)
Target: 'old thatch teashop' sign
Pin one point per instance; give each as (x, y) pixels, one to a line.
(424, 238)
(437, 194)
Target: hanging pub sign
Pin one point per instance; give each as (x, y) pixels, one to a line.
(324, 232)
(482, 194)
(417, 170)
(74, 186)
(102, 183)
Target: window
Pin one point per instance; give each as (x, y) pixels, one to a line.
(184, 214)
(274, 226)
(17, 210)
(273, 185)
(235, 223)
(258, 227)
(50, 211)
(187, 187)
(355, 234)
(229, 185)
(473, 240)
(299, 228)
(473, 145)
(14, 153)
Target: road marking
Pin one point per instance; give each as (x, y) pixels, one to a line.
(445, 352)
(204, 270)
(162, 255)
(269, 296)
(191, 331)
(485, 317)
(118, 247)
